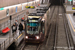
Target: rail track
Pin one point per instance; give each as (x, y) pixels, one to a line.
(68, 34)
(52, 31)
(32, 47)
(56, 31)
(28, 46)
(69, 41)
(49, 17)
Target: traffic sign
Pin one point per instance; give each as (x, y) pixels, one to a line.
(16, 8)
(32, 7)
(69, 0)
(27, 6)
(1, 8)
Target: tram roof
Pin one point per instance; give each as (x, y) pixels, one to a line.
(33, 16)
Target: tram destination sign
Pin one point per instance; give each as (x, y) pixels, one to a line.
(33, 20)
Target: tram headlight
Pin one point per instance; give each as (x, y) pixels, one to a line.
(37, 37)
(26, 37)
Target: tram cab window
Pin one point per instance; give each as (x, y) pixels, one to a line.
(33, 28)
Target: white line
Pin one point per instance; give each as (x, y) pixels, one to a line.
(60, 14)
(64, 47)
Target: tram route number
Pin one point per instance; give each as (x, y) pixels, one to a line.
(64, 47)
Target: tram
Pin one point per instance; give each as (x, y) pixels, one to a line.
(35, 28)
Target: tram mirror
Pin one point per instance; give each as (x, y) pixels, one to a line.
(73, 14)
(42, 23)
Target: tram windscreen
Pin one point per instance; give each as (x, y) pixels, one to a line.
(33, 28)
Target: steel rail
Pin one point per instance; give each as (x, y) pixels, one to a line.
(37, 47)
(49, 23)
(66, 31)
(56, 30)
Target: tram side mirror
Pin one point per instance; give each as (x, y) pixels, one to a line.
(42, 23)
(73, 14)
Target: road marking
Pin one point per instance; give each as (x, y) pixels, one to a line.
(70, 22)
(64, 47)
(20, 36)
(60, 14)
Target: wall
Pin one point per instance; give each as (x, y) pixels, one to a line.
(4, 3)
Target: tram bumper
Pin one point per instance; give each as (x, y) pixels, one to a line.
(34, 40)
